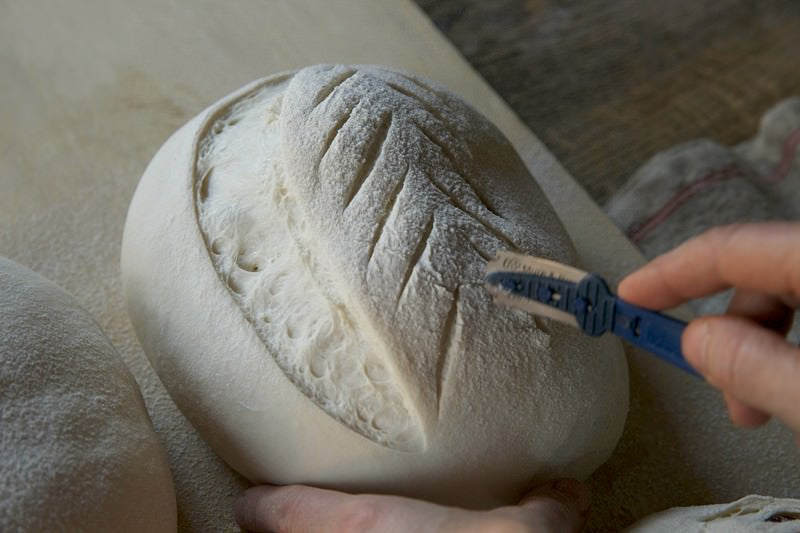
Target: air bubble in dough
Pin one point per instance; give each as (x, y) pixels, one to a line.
(77, 450)
(303, 265)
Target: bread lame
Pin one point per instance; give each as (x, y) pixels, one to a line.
(583, 300)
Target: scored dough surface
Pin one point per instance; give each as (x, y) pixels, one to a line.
(259, 247)
(303, 263)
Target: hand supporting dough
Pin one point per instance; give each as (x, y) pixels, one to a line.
(744, 353)
(555, 507)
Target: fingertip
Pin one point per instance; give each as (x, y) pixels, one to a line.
(241, 510)
(648, 288)
(744, 415)
(569, 492)
(694, 344)
(627, 288)
(752, 364)
(246, 506)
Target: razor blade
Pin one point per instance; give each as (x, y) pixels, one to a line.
(569, 295)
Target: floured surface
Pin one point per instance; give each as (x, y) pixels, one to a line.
(77, 451)
(82, 243)
(88, 92)
(250, 226)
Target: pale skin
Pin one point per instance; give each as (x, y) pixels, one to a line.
(559, 506)
(742, 353)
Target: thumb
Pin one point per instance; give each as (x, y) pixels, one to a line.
(560, 505)
(748, 362)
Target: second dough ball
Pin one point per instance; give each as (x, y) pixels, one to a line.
(77, 450)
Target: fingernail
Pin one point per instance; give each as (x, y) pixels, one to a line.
(242, 507)
(694, 342)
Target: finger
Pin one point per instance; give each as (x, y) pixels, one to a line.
(763, 309)
(754, 365)
(560, 505)
(772, 313)
(268, 508)
(744, 415)
(298, 508)
(761, 257)
(570, 492)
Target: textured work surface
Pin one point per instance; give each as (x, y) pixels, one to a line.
(89, 91)
(606, 84)
(77, 244)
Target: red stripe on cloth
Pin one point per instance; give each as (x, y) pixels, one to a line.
(681, 197)
(685, 193)
(787, 158)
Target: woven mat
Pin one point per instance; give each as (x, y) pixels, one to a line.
(606, 84)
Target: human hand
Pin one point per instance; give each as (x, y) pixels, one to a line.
(559, 506)
(743, 353)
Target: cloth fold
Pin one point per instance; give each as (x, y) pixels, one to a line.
(687, 189)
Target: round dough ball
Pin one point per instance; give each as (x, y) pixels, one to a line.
(77, 451)
(303, 263)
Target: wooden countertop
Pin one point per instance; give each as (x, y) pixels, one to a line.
(606, 84)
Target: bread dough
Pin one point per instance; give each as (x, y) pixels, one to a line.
(747, 515)
(77, 451)
(303, 265)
